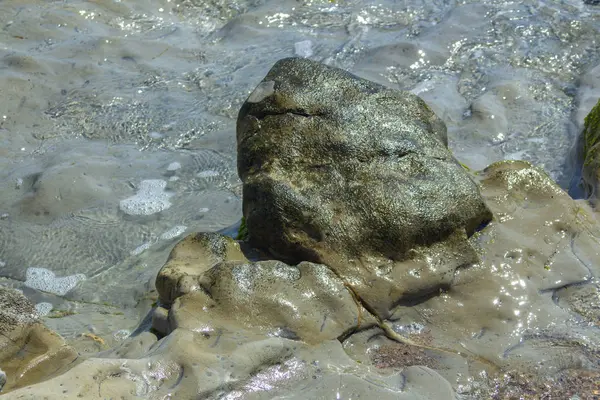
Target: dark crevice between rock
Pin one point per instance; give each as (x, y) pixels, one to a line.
(299, 112)
(355, 329)
(422, 297)
(582, 282)
(555, 290)
(396, 337)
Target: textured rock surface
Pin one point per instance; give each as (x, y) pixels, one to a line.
(29, 352)
(306, 301)
(189, 259)
(189, 365)
(520, 308)
(342, 171)
(523, 321)
(591, 152)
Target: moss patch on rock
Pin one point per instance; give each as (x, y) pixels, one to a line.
(242, 231)
(591, 151)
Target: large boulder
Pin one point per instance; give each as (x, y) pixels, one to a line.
(342, 171)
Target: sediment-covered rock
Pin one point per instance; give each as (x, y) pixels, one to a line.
(521, 304)
(222, 291)
(195, 365)
(29, 351)
(189, 259)
(342, 171)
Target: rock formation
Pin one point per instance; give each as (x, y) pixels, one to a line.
(358, 177)
(372, 268)
(29, 352)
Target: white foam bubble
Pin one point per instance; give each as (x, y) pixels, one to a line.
(209, 173)
(45, 280)
(43, 308)
(150, 199)
(303, 48)
(173, 232)
(122, 334)
(174, 166)
(140, 249)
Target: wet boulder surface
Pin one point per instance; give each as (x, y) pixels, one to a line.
(366, 273)
(342, 171)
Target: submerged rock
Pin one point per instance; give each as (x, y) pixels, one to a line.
(342, 171)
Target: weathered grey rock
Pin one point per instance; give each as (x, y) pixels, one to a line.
(342, 171)
(240, 326)
(307, 302)
(29, 351)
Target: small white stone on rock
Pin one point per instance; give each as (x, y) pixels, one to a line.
(121, 334)
(2, 379)
(140, 249)
(174, 166)
(209, 173)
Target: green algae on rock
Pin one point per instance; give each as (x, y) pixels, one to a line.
(591, 152)
(242, 231)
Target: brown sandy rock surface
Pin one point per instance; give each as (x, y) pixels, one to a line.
(29, 351)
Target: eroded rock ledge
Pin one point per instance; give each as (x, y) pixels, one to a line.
(372, 268)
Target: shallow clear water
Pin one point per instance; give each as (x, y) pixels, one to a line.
(117, 118)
